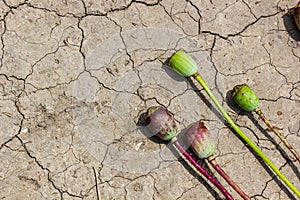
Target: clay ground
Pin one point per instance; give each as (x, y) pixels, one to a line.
(75, 77)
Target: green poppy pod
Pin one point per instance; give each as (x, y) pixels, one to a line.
(245, 97)
(183, 64)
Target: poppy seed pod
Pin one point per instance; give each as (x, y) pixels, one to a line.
(183, 64)
(245, 97)
(161, 122)
(200, 139)
(297, 14)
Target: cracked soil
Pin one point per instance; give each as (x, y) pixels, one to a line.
(76, 75)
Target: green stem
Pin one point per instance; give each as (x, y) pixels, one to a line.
(285, 142)
(243, 136)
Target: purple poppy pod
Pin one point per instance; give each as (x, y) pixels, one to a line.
(161, 122)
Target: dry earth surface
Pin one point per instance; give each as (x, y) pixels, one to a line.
(75, 76)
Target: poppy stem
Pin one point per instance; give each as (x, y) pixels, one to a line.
(190, 160)
(243, 136)
(216, 166)
(271, 127)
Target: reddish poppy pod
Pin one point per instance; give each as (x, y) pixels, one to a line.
(200, 139)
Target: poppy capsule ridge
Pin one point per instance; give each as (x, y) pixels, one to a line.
(245, 97)
(161, 122)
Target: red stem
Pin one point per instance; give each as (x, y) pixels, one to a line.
(215, 165)
(202, 171)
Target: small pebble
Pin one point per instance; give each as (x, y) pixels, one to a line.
(137, 147)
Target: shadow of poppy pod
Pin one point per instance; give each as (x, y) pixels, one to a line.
(245, 97)
(183, 64)
(161, 122)
(200, 139)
